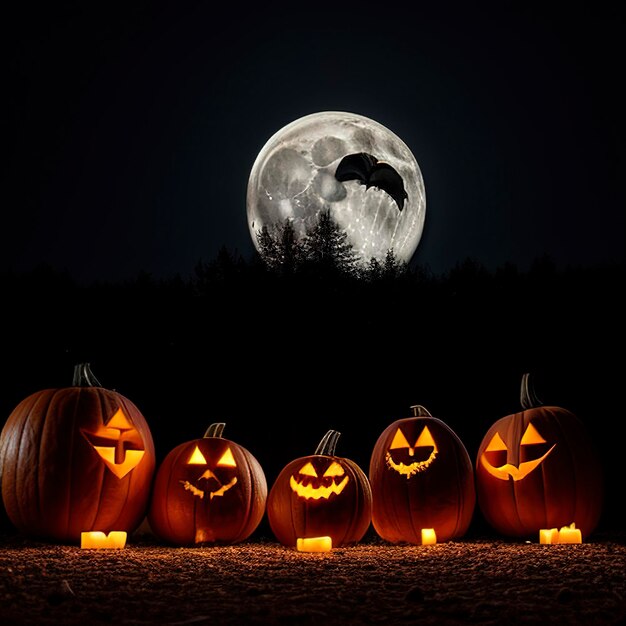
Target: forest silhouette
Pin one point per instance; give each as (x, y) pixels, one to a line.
(284, 349)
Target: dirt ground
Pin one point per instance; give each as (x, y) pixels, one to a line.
(479, 581)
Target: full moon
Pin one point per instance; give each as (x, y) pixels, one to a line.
(349, 165)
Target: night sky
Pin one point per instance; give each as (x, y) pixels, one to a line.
(130, 132)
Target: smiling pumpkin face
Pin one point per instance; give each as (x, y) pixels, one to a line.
(209, 490)
(408, 459)
(538, 469)
(519, 461)
(320, 495)
(319, 478)
(211, 482)
(421, 477)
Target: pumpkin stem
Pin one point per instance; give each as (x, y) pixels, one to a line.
(420, 411)
(328, 443)
(215, 430)
(528, 397)
(84, 377)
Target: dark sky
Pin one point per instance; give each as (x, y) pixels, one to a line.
(130, 132)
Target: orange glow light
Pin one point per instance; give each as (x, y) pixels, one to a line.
(314, 544)
(116, 539)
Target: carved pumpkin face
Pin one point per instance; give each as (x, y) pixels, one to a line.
(408, 459)
(421, 477)
(118, 443)
(209, 490)
(209, 483)
(83, 457)
(521, 460)
(319, 477)
(538, 469)
(320, 495)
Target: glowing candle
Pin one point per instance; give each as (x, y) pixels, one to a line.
(549, 535)
(314, 544)
(97, 539)
(429, 537)
(570, 534)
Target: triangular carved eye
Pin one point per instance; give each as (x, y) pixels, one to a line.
(227, 459)
(308, 470)
(531, 435)
(334, 469)
(399, 441)
(496, 444)
(196, 458)
(425, 439)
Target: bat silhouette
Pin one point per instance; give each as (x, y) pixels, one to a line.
(371, 172)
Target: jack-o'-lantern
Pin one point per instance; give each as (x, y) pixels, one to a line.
(538, 469)
(321, 495)
(208, 491)
(76, 459)
(421, 477)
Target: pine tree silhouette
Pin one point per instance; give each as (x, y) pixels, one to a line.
(324, 250)
(328, 250)
(392, 268)
(281, 249)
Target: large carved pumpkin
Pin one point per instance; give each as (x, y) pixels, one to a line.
(321, 495)
(421, 477)
(538, 469)
(208, 490)
(76, 459)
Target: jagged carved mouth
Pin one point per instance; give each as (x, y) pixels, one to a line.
(310, 491)
(412, 468)
(209, 475)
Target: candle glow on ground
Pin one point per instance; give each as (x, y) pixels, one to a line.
(96, 539)
(567, 534)
(314, 544)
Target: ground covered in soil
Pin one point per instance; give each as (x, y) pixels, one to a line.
(479, 581)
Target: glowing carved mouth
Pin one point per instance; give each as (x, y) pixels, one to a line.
(412, 468)
(212, 494)
(516, 473)
(308, 491)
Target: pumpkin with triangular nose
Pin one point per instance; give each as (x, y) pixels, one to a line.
(538, 468)
(421, 477)
(208, 490)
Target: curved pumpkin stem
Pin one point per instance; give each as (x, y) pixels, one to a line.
(528, 399)
(215, 430)
(420, 411)
(84, 377)
(328, 443)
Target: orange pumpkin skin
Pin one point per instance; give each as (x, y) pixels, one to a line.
(565, 487)
(55, 485)
(344, 517)
(182, 509)
(440, 495)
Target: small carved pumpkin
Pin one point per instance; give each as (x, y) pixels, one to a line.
(209, 490)
(322, 495)
(76, 459)
(538, 469)
(421, 477)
